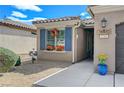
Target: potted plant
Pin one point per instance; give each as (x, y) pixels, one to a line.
(60, 48)
(102, 67)
(50, 47)
(54, 32)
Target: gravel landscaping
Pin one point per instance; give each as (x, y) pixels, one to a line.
(28, 73)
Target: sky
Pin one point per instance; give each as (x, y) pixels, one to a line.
(29, 13)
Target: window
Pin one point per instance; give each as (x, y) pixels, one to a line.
(50, 41)
(55, 39)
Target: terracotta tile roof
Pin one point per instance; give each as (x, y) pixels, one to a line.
(85, 22)
(11, 23)
(56, 19)
(88, 22)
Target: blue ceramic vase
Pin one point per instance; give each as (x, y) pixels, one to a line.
(102, 69)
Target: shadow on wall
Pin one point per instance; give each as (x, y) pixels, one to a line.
(40, 66)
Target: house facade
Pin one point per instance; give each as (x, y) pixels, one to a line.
(17, 36)
(109, 39)
(63, 39)
(85, 39)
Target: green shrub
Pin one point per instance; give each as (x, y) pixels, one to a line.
(10, 59)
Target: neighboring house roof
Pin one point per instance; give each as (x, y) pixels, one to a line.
(56, 19)
(88, 23)
(17, 24)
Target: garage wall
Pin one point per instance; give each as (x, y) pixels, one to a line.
(107, 45)
(21, 42)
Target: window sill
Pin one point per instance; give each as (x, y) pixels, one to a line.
(55, 51)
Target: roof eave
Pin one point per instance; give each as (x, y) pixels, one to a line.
(19, 27)
(56, 20)
(90, 11)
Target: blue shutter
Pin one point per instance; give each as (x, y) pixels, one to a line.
(68, 39)
(42, 39)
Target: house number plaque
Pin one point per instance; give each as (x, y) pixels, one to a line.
(103, 36)
(104, 33)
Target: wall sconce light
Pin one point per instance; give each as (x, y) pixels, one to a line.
(103, 23)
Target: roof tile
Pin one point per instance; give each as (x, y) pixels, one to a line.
(56, 19)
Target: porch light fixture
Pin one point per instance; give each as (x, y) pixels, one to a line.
(103, 23)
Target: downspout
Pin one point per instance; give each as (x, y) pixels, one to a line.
(74, 29)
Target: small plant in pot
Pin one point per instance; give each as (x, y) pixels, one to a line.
(50, 47)
(102, 67)
(60, 48)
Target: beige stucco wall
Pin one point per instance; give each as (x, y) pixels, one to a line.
(81, 44)
(21, 42)
(57, 55)
(107, 45)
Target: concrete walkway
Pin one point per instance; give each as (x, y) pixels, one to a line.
(119, 80)
(80, 75)
(97, 80)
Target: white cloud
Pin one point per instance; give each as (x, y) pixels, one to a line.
(13, 18)
(38, 18)
(88, 17)
(26, 21)
(29, 7)
(83, 13)
(18, 14)
(17, 19)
